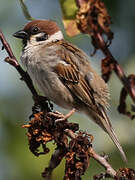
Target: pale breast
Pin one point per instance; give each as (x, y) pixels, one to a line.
(39, 66)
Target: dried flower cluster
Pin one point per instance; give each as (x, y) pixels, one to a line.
(77, 159)
(70, 143)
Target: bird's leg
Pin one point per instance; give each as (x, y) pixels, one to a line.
(60, 117)
(56, 114)
(66, 116)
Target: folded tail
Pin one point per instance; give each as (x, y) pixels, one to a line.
(100, 117)
(117, 143)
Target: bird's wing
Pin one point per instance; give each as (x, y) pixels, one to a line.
(77, 75)
(74, 81)
(69, 73)
(73, 70)
(81, 87)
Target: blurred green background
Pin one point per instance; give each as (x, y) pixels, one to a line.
(16, 161)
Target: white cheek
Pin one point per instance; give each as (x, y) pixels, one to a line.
(33, 39)
(55, 37)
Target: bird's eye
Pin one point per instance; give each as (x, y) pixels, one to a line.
(34, 30)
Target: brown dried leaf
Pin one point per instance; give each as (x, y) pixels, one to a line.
(69, 156)
(92, 17)
(82, 18)
(106, 67)
(46, 137)
(79, 165)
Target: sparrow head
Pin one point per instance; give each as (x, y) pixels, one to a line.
(39, 32)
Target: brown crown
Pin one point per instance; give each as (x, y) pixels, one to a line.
(50, 27)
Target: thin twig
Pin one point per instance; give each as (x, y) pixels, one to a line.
(25, 11)
(13, 61)
(102, 160)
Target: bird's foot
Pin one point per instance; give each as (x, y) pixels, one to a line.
(60, 117)
(65, 117)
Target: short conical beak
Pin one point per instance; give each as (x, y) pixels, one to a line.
(21, 34)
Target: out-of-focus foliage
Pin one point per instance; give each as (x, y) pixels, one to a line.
(69, 10)
(25, 10)
(16, 161)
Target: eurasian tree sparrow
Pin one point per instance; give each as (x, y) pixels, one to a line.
(62, 72)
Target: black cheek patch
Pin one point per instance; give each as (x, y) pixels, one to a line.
(42, 38)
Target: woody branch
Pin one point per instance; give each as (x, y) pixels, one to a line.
(11, 59)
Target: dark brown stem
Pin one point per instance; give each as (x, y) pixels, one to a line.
(117, 68)
(54, 162)
(13, 61)
(7, 47)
